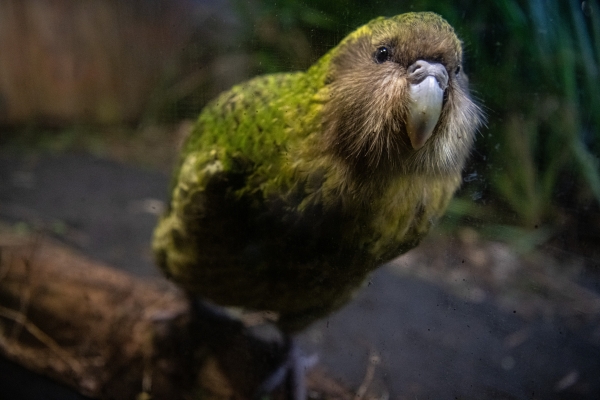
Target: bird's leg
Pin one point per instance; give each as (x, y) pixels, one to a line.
(252, 349)
(207, 312)
(298, 364)
(212, 324)
(290, 373)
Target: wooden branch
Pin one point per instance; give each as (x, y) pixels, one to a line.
(110, 335)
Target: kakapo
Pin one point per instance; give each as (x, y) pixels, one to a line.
(292, 187)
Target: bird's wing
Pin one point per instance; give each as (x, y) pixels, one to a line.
(202, 203)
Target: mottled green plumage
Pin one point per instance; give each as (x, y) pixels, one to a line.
(293, 187)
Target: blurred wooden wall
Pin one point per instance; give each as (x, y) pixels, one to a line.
(86, 61)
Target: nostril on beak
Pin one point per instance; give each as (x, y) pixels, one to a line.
(414, 67)
(421, 69)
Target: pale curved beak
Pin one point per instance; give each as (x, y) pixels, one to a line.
(427, 83)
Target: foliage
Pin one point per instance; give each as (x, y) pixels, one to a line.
(548, 140)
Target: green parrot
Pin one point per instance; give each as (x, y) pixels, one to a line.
(293, 187)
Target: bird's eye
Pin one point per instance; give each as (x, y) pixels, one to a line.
(457, 70)
(382, 54)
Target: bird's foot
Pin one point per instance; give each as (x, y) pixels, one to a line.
(214, 325)
(289, 374)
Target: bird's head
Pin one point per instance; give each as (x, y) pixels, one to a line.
(398, 100)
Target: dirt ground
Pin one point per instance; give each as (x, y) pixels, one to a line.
(457, 318)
